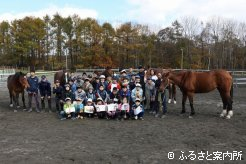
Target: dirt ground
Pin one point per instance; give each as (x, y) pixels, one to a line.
(43, 138)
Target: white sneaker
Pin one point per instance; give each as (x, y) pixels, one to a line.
(169, 101)
(136, 117)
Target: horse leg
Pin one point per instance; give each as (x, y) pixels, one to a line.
(17, 101)
(224, 111)
(190, 96)
(23, 100)
(169, 93)
(174, 93)
(11, 99)
(184, 98)
(229, 107)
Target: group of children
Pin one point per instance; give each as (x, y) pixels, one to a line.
(113, 97)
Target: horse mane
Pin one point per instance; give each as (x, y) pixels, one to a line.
(18, 74)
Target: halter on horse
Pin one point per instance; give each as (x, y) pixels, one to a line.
(16, 84)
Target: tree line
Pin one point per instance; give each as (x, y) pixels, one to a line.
(187, 43)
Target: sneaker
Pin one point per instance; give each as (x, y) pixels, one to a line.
(151, 112)
(141, 118)
(63, 119)
(50, 111)
(154, 112)
(30, 110)
(37, 110)
(163, 116)
(136, 117)
(156, 115)
(73, 118)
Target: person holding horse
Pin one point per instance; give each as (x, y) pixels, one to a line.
(45, 92)
(32, 90)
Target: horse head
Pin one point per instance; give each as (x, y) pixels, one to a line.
(164, 81)
(23, 80)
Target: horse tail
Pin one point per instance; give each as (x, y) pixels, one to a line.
(231, 91)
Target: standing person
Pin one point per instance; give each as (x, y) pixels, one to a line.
(58, 91)
(150, 92)
(45, 92)
(33, 90)
(160, 99)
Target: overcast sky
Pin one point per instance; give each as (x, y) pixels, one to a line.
(153, 12)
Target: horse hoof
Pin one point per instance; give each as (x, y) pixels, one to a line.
(15, 110)
(11, 105)
(228, 117)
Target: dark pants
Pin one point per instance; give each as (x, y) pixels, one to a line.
(43, 103)
(35, 96)
(59, 104)
(123, 114)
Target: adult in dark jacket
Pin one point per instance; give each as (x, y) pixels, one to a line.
(33, 91)
(58, 91)
(45, 92)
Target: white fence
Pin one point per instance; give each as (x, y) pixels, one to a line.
(5, 72)
(240, 81)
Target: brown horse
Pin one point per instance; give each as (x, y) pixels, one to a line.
(202, 82)
(171, 86)
(62, 76)
(16, 84)
(107, 72)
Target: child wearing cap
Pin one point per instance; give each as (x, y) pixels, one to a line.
(69, 110)
(91, 94)
(58, 91)
(79, 106)
(103, 82)
(137, 110)
(89, 102)
(68, 93)
(124, 109)
(137, 92)
(80, 93)
(45, 92)
(102, 93)
(86, 84)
